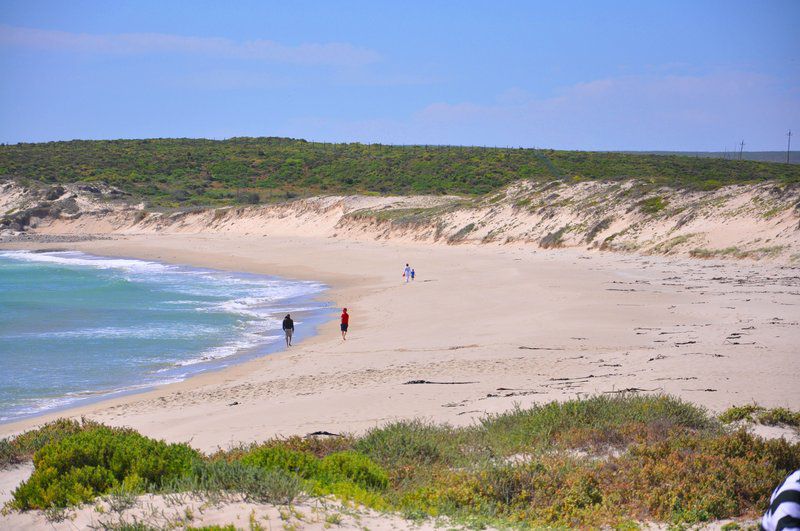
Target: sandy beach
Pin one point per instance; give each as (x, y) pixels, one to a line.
(488, 327)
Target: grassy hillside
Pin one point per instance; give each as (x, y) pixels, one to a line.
(172, 172)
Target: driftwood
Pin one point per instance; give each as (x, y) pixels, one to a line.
(323, 433)
(416, 382)
(633, 390)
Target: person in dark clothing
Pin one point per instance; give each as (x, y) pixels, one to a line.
(288, 329)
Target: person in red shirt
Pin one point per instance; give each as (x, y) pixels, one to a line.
(345, 322)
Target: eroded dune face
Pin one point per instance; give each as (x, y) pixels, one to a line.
(741, 221)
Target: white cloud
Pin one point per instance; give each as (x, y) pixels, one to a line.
(335, 53)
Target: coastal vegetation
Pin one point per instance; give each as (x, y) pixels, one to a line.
(601, 461)
(761, 415)
(186, 172)
(735, 252)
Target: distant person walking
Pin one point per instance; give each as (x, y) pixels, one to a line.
(413, 273)
(288, 329)
(345, 323)
(407, 273)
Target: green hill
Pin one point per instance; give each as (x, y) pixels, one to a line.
(172, 172)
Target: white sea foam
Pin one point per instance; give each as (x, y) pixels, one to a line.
(130, 332)
(225, 351)
(34, 406)
(75, 258)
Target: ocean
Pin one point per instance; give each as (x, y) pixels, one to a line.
(76, 327)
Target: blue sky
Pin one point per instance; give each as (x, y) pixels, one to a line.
(619, 75)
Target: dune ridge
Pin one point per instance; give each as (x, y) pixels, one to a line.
(760, 221)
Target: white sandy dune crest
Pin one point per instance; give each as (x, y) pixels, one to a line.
(743, 221)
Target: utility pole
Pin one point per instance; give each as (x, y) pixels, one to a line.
(741, 148)
(788, 145)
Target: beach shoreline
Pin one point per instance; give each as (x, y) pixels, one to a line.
(252, 307)
(523, 325)
(88, 244)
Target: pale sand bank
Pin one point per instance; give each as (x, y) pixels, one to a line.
(181, 511)
(11, 477)
(520, 326)
(309, 515)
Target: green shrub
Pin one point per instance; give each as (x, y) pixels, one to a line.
(22, 447)
(754, 413)
(8, 454)
(354, 467)
(688, 477)
(50, 487)
(653, 205)
(319, 446)
(737, 413)
(552, 491)
(254, 483)
(684, 479)
(521, 203)
(538, 425)
(348, 475)
(411, 442)
(780, 415)
(303, 464)
(89, 463)
(336, 467)
(709, 185)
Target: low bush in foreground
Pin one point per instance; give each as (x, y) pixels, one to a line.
(602, 461)
(599, 421)
(256, 484)
(688, 478)
(21, 448)
(81, 466)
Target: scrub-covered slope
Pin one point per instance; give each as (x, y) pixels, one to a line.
(185, 172)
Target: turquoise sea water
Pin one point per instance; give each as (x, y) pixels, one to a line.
(75, 327)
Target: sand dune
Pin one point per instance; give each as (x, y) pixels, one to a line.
(759, 222)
